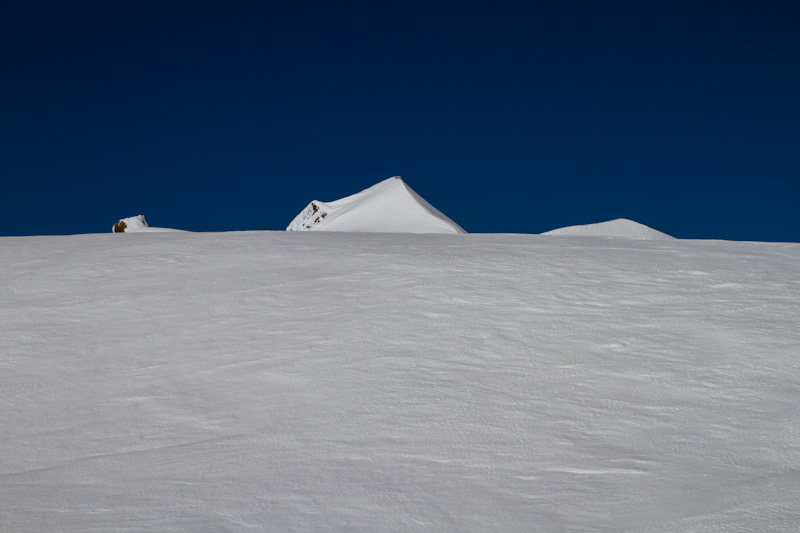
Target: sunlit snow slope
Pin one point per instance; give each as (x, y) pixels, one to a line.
(236, 382)
(390, 206)
(621, 227)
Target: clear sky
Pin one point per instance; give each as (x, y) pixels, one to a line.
(507, 116)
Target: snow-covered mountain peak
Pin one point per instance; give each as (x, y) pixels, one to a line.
(620, 228)
(390, 206)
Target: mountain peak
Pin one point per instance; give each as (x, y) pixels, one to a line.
(390, 206)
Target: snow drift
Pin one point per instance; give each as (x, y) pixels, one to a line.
(404, 383)
(620, 228)
(390, 206)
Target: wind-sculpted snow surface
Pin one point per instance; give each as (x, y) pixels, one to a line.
(364, 382)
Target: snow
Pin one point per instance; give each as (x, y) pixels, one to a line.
(137, 224)
(390, 206)
(620, 228)
(274, 381)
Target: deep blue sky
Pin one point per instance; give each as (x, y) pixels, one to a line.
(507, 116)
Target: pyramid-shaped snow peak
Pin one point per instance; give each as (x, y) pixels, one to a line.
(620, 228)
(390, 206)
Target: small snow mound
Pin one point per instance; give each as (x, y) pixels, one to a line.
(135, 224)
(620, 228)
(390, 206)
(130, 225)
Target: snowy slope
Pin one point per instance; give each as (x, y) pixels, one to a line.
(136, 224)
(621, 228)
(406, 383)
(390, 206)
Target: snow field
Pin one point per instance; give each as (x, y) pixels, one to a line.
(271, 381)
